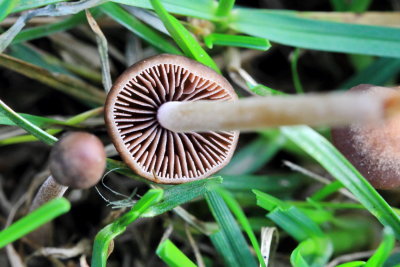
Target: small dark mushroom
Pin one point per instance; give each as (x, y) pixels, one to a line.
(374, 149)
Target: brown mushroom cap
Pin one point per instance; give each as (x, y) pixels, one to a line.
(145, 146)
(374, 149)
(78, 160)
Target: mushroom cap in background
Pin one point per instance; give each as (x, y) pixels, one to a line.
(152, 151)
(374, 149)
(78, 160)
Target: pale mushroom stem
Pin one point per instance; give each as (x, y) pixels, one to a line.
(333, 109)
(49, 190)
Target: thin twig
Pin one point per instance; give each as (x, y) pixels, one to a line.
(103, 51)
(196, 250)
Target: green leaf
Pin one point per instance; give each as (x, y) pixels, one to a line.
(254, 156)
(111, 231)
(140, 29)
(34, 220)
(352, 264)
(26, 124)
(312, 252)
(198, 8)
(172, 255)
(39, 121)
(241, 217)
(183, 37)
(237, 41)
(183, 193)
(234, 237)
(352, 6)
(23, 5)
(287, 28)
(47, 29)
(378, 73)
(224, 7)
(384, 250)
(340, 168)
(266, 183)
(6, 6)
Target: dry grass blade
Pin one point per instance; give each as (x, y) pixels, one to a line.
(103, 51)
(62, 82)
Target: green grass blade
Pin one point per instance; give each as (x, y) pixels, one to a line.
(65, 83)
(111, 231)
(340, 168)
(34, 220)
(242, 219)
(254, 155)
(44, 30)
(172, 255)
(204, 9)
(237, 41)
(223, 247)
(267, 183)
(224, 7)
(183, 193)
(384, 250)
(289, 29)
(23, 5)
(140, 29)
(39, 121)
(227, 223)
(183, 37)
(378, 73)
(312, 252)
(295, 74)
(6, 6)
(26, 124)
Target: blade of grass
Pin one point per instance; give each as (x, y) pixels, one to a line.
(23, 5)
(254, 156)
(224, 7)
(34, 220)
(39, 121)
(140, 29)
(6, 6)
(266, 183)
(70, 122)
(183, 193)
(26, 124)
(295, 74)
(183, 37)
(111, 231)
(242, 219)
(340, 168)
(228, 225)
(288, 28)
(172, 255)
(103, 51)
(44, 30)
(199, 8)
(59, 9)
(237, 41)
(223, 247)
(67, 84)
(383, 252)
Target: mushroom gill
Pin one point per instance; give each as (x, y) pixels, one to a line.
(152, 151)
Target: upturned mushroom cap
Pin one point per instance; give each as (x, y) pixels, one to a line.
(145, 146)
(78, 160)
(374, 149)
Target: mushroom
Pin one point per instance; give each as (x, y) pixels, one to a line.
(174, 120)
(77, 160)
(374, 149)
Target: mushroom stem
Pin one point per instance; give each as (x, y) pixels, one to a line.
(49, 190)
(333, 109)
